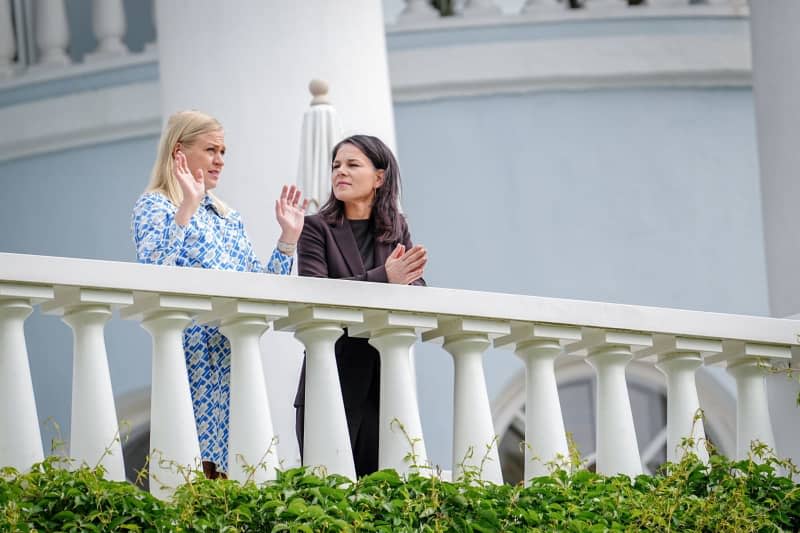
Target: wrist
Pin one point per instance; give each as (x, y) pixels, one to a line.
(286, 248)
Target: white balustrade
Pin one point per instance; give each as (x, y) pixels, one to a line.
(538, 329)
(401, 443)
(8, 43)
(609, 352)
(174, 446)
(108, 24)
(20, 438)
(252, 448)
(545, 437)
(678, 358)
(544, 6)
(52, 33)
(417, 11)
(326, 440)
(475, 445)
(480, 8)
(94, 432)
(748, 363)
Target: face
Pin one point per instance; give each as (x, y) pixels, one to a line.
(206, 153)
(354, 177)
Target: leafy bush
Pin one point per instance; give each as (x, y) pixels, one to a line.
(724, 495)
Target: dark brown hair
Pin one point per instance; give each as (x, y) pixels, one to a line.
(385, 216)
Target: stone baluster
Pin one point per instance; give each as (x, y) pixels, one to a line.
(678, 358)
(173, 434)
(252, 443)
(94, 432)
(326, 439)
(545, 437)
(8, 44)
(108, 24)
(480, 8)
(393, 334)
(609, 352)
(748, 363)
(20, 438)
(417, 11)
(474, 439)
(52, 33)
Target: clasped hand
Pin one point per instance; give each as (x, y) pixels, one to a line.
(405, 267)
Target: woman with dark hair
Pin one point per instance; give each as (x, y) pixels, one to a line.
(359, 234)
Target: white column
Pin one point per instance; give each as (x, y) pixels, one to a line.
(20, 439)
(108, 24)
(398, 403)
(52, 33)
(326, 440)
(8, 43)
(683, 404)
(94, 433)
(480, 8)
(545, 437)
(252, 440)
(173, 433)
(418, 11)
(752, 410)
(474, 440)
(617, 447)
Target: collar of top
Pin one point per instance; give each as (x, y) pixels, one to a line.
(208, 203)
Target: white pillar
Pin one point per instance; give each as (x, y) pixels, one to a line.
(545, 438)
(252, 441)
(173, 433)
(52, 33)
(474, 440)
(617, 447)
(94, 433)
(480, 8)
(398, 403)
(417, 11)
(20, 439)
(8, 43)
(108, 24)
(683, 404)
(752, 410)
(326, 440)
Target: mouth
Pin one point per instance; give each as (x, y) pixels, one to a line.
(342, 184)
(214, 173)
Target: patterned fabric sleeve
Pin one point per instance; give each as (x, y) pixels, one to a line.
(278, 263)
(158, 238)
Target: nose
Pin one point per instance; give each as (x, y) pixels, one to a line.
(218, 159)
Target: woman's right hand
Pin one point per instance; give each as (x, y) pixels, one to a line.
(405, 267)
(192, 185)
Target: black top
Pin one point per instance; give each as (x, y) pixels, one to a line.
(365, 239)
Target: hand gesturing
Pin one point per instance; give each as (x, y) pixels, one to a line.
(192, 186)
(290, 213)
(405, 267)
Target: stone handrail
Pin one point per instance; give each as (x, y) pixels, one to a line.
(165, 299)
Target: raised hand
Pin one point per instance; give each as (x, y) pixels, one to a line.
(404, 267)
(192, 185)
(290, 213)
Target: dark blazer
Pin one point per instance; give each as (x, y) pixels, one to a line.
(330, 251)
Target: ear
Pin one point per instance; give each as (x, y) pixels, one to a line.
(176, 149)
(379, 178)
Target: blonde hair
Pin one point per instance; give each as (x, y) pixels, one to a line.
(183, 127)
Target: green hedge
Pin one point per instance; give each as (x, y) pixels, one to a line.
(723, 496)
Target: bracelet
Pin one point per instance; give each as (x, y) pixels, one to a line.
(286, 248)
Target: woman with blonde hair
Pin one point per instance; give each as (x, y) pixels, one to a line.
(178, 221)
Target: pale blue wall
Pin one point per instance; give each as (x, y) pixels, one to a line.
(76, 203)
(639, 196)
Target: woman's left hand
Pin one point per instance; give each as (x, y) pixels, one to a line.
(290, 213)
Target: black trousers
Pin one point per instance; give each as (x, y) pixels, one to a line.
(362, 424)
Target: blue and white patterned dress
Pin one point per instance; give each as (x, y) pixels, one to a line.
(208, 241)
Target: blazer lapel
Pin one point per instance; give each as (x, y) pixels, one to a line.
(343, 236)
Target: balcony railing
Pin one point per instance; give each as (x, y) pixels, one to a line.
(165, 299)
